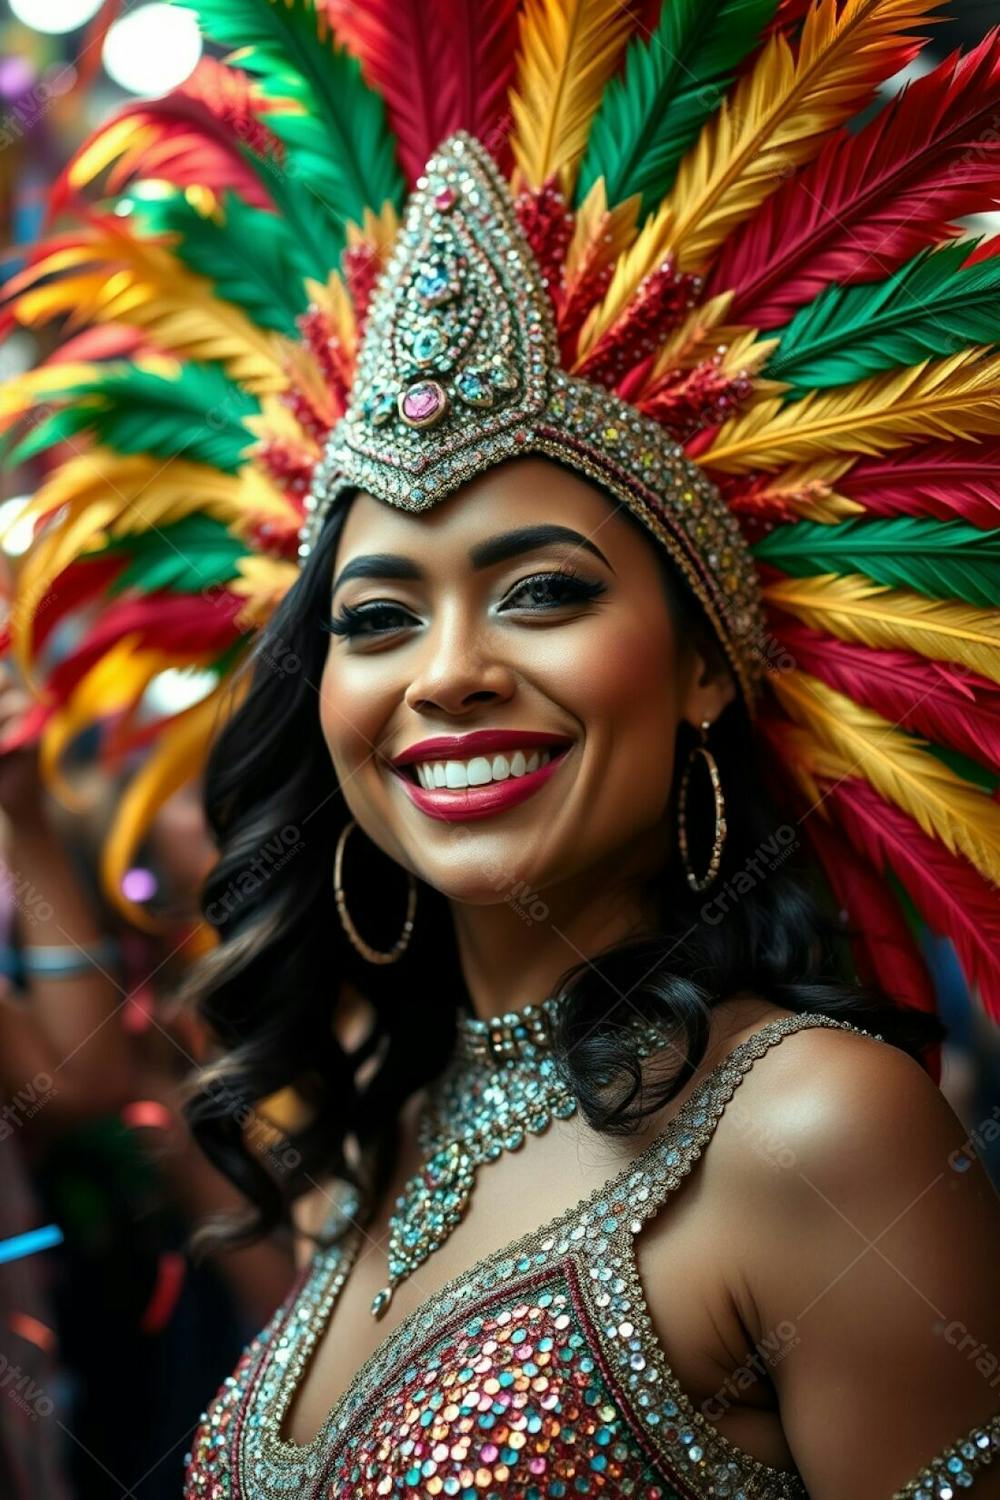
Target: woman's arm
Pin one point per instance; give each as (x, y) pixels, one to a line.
(880, 1247)
(67, 1031)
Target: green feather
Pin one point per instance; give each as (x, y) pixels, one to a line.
(673, 80)
(963, 765)
(197, 413)
(931, 307)
(340, 147)
(187, 556)
(318, 238)
(943, 559)
(252, 258)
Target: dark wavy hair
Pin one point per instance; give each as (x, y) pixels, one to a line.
(269, 992)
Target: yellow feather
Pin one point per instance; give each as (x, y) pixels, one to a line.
(178, 756)
(119, 136)
(861, 742)
(114, 683)
(144, 285)
(50, 553)
(642, 256)
(853, 608)
(944, 398)
(568, 51)
(778, 115)
(100, 494)
(377, 234)
(600, 235)
(18, 395)
(263, 582)
(333, 299)
(807, 490)
(149, 491)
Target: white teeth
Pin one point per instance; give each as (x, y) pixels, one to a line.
(480, 770)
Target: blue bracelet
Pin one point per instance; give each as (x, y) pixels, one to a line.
(68, 960)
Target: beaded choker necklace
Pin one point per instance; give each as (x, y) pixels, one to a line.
(501, 1084)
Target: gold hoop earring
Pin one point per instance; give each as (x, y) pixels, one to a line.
(700, 883)
(373, 955)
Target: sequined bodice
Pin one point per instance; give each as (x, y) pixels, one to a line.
(534, 1374)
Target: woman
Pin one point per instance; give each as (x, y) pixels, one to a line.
(529, 466)
(822, 1245)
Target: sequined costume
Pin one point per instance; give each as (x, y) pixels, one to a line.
(535, 1374)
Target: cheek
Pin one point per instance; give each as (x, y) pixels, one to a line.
(352, 710)
(627, 676)
(628, 703)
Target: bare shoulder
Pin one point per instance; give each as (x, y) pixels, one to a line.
(833, 1092)
(869, 1231)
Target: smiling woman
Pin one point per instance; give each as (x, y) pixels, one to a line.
(529, 605)
(619, 511)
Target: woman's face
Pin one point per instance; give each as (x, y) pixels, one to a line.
(590, 666)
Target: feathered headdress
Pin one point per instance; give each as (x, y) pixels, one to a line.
(778, 309)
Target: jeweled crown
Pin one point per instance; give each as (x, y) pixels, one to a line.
(459, 369)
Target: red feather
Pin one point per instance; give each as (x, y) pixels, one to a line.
(440, 66)
(871, 200)
(80, 583)
(947, 704)
(953, 481)
(193, 626)
(789, 15)
(951, 896)
(104, 341)
(200, 128)
(885, 951)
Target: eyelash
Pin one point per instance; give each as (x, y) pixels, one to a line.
(352, 622)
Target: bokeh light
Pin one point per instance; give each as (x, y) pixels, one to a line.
(152, 49)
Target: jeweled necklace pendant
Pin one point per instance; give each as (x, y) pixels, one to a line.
(501, 1085)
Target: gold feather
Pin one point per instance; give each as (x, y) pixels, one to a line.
(113, 684)
(854, 608)
(138, 492)
(568, 52)
(176, 759)
(376, 234)
(18, 395)
(734, 351)
(944, 398)
(778, 115)
(332, 298)
(600, 235)
(101, 494)
(807, 491)
(117, 138)
(263, 583)
(860, 742)
(631, 268)
(145, 286)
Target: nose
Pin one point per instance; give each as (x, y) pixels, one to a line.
(457, 667)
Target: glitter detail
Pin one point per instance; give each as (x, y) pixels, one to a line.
(534, 1374)
(462, 299)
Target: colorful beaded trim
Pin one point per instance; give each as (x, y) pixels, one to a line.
(459, 369)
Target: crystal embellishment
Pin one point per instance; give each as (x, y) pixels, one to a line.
(461, 330)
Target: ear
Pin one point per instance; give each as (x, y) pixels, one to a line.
(711, 684)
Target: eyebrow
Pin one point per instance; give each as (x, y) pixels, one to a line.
(485, 554)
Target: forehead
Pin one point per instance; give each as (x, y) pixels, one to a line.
(522, 491)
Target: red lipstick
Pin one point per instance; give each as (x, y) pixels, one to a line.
(460, 804)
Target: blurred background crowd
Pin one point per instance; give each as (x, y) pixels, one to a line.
(112, 1335)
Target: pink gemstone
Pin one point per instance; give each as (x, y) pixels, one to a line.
(444, 199)
(420, 402)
